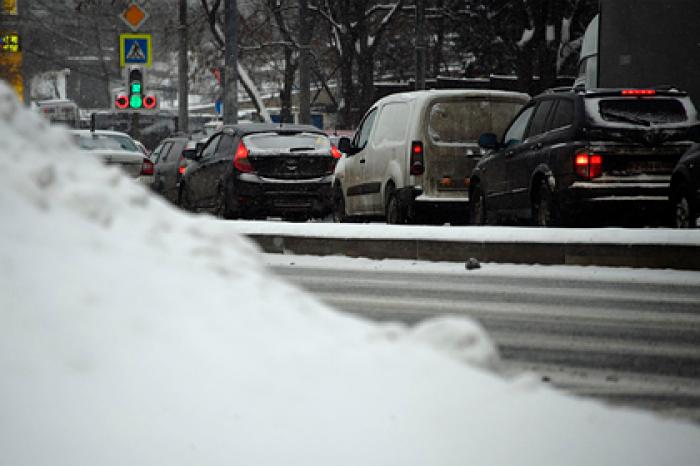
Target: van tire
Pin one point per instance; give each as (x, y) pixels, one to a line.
(340, 215)
(394, 215)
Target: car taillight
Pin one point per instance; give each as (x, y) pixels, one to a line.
(588, 165)
(335, 152)
(638, 92)
(417, 166)
(146, 167)
(240, 159)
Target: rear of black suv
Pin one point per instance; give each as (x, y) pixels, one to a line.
(587, 156)
(633, 140)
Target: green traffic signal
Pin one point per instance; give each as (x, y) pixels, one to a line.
(135, 101)
(136, 87)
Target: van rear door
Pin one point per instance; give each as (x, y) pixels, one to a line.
(453, 125)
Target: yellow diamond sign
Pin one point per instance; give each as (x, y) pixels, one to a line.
(134, 16)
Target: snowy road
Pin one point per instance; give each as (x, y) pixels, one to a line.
(623, 335)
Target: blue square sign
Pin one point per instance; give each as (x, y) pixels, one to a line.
(135, 49)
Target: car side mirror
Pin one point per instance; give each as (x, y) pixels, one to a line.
(344, 145)
(189, 154)
(488, 141)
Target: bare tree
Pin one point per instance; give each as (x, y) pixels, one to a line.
(356, 30)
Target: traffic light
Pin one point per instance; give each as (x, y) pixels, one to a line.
(135, 98)
(135, 88)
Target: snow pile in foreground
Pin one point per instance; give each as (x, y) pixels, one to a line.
(133, 334)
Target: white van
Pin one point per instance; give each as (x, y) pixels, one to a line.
(411, 157)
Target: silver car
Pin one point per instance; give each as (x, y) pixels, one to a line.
(116, 148)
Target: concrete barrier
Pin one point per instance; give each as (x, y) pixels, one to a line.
(661, 256)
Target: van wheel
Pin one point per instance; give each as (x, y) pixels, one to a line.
(393, 210)
(339, 213)
(544, 213)
(683, 212)
(477, 206)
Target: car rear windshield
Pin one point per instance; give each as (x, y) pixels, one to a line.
(297, 142)
(642, 111)
(463, 122)
(106, 141)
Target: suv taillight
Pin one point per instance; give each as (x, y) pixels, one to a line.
(146, 167)
(240, 159)
(417, 163)
(588, 165)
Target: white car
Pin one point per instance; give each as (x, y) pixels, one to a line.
(116, 148)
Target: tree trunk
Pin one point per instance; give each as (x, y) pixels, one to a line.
(286, 115)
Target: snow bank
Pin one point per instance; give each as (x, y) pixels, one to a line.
(480, 234)
(131, 333)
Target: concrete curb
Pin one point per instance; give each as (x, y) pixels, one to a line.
(658, 256)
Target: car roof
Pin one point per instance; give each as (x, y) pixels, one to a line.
(250, 128)
(426, 95)
(102, 132)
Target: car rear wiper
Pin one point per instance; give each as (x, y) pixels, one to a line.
(299, 149)
(625, 118)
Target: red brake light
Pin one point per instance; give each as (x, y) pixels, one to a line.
(146, 167)
(417, 166)
(638, 92)
(588, 165)
(181, 169)
(335, 152)
(240, 159)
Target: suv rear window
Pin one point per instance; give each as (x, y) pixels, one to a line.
(287, 142)
(642, 111)
(463, 122)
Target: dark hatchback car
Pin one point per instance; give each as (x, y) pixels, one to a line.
(574, 156)
(170, 163)
(259, 170)
(685, 190)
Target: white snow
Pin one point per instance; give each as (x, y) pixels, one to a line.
(527, 36)
(549, 33)
(131, 333)
(496, 234)
(553, 272)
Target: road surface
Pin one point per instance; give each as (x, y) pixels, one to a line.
(626, 336)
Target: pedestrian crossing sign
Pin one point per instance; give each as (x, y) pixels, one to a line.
(135, 49)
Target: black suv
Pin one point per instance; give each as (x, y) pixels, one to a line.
(573, 155)
(257, 170)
